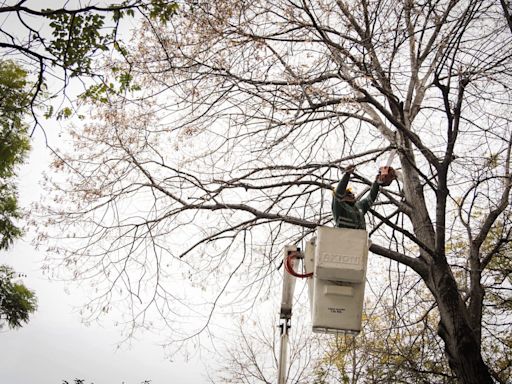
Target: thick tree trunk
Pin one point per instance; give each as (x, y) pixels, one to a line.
(462, 346)
(462, 343)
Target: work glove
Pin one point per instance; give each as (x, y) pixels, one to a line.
(386, 176)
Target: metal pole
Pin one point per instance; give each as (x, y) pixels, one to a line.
(283, 353)
(285, 315)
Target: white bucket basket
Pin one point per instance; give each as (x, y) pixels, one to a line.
(338, 257)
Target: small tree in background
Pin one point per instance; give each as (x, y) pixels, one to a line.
(17, 302)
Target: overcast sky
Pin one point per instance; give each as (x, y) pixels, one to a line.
(55, 345)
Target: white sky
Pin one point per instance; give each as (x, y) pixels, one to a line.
(55, 345)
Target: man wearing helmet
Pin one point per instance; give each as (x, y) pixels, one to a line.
(349, 212)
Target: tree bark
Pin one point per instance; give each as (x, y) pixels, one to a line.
(462, 343)
(462, 346)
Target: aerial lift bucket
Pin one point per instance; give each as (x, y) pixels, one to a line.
(335, 265)
(338, 258)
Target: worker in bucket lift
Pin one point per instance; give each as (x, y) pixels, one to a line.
(348, 212)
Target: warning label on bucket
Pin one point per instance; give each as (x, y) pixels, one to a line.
(336, 310)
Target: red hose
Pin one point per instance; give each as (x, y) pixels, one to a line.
(289, 268)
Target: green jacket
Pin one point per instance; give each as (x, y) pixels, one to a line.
(348, 215)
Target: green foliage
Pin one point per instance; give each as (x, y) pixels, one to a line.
(76, 37)
(162, 10)
(8, 211)
(17, 302)
(14, 145)
(96, 92)
(15, 100)
(64, 113)
(100, 92)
